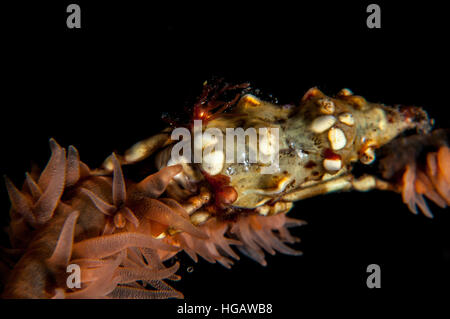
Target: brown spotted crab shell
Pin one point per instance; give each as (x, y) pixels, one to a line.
(319, 140)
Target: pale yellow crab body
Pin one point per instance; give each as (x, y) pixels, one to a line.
(318, 142)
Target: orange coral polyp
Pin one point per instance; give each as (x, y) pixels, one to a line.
(433, 182)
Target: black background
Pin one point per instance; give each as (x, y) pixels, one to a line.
(103, 87)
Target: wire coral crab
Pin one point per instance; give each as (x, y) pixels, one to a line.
(123, 233)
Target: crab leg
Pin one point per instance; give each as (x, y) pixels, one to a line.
(141, 150)
(196, 202)
(343, 183)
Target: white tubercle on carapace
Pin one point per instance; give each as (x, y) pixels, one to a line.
(213, 162)
(337, 138)
(322, 123)
(332, 164)
(347, 119)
